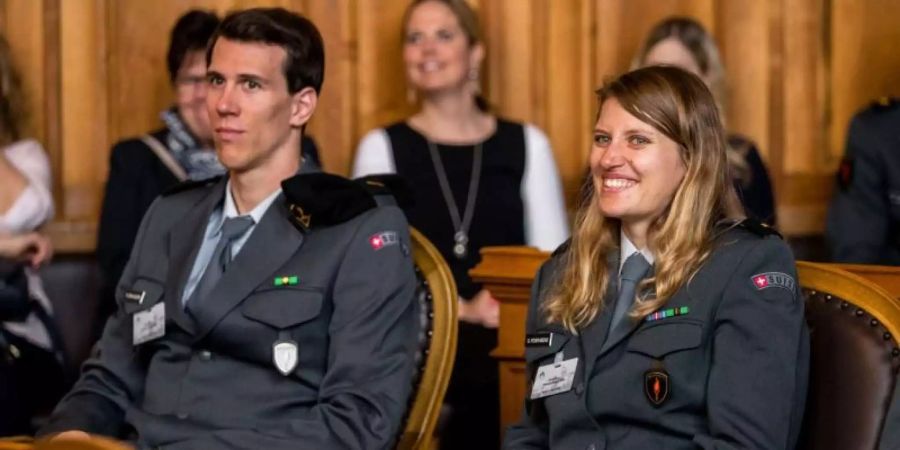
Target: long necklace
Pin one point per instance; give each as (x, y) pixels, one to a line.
(460, 225)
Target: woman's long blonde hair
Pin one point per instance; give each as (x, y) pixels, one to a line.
(679, 105)
(703, 49)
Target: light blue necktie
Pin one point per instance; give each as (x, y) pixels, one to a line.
(232, 229)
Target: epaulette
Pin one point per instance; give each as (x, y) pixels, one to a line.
(752, 225)
(564, 247)
(320, 200)
(389, 186)
(190, 184)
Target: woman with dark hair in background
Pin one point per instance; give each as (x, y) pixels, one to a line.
(668, 321)
(477, 179)
(683, 42)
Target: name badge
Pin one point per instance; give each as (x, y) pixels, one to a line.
(554, 378)
(149, 325)
(539, 340)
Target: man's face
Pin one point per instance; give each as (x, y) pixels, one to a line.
(190, 95)
(252, 114)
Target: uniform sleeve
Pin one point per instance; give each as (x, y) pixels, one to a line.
(374, 155)
(857, 224)
(530, 432)
(34, 206)
(113, 378)
(756, 388)
(373, 338)
(546, 223)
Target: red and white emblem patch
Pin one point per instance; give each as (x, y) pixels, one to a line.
(773, 279)
(383, 239)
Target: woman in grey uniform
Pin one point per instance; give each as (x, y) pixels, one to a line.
(668, 321)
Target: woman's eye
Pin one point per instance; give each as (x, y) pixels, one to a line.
(445, 35)
(413, 38)
(638, 140)
(601, 139)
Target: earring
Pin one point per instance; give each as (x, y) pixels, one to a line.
(475, 80)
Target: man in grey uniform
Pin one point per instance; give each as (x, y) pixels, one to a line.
(250, 317)
(864, 218)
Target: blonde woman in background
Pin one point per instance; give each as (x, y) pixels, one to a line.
(477, 180)
(683, 42)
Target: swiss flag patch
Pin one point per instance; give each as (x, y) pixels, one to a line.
(383, 239)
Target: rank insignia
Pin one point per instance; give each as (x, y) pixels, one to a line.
(656, 386)
(666, 313)
(291, 280)
(383, 239)
(300, 217)
(773, 279)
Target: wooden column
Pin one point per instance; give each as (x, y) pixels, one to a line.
(508, 272)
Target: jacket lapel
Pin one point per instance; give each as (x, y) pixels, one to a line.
(271, 244)
(184, 243)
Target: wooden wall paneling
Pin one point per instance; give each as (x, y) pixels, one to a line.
(334, 123)
(803, 176)
(742, 32)
(83, 121)
(511, 36)
(381, 85)
(865, 64)
(568, 89)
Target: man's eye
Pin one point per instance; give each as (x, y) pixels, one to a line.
(214, 80)
(251, 84)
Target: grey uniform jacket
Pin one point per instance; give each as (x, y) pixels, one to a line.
(736, 360)
(863, 225)
(211, 383)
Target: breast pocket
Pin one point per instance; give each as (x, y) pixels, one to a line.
(537, 354)
(283, 307)
(661, 340)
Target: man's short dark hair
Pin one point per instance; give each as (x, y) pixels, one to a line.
(191, 33)
(304, 65)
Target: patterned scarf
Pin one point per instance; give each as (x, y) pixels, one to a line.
(199, 163)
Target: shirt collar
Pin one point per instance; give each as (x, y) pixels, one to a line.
(627, 248)
(229, 209)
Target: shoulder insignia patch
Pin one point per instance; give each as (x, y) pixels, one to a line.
(383, 239)
(190, 184)
(773, 279)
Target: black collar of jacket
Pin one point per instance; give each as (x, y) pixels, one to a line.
(752, 225)
(320, 199)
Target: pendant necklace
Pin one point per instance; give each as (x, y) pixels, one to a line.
(460, 225)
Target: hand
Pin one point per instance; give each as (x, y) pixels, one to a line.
(482, 310)
(33, 248)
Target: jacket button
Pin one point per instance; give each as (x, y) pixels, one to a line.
(182, 415)
(205, 355)
(591, 447)
(579, 388)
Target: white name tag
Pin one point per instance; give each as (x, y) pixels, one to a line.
(554, 378)
(149, 325)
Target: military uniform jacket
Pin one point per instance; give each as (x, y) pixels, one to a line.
(736, 357)
(211, 382)
(863, 224)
